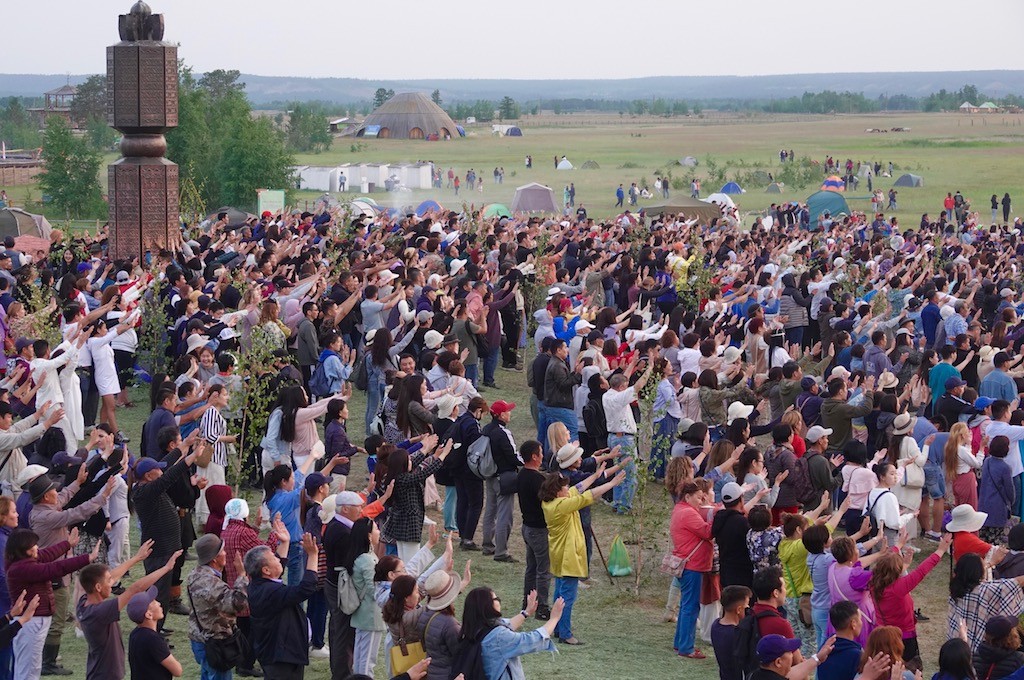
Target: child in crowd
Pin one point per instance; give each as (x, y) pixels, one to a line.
(723, 631)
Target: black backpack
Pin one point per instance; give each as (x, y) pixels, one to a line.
(469, 660)
(870, 514)
(747, 637)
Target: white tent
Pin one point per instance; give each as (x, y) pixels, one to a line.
(564, 164)
(864, 170)
(720, 199)
(689, 162)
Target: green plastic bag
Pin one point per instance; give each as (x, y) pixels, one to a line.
(618, 559)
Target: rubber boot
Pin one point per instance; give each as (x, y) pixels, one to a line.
(176, 606)
(50, 665)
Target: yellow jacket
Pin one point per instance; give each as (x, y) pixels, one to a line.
(566, 546)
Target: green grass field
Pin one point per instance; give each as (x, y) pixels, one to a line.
(976, 154)
(624, 634)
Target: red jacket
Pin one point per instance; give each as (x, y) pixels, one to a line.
(896, 606)
(691, 533)
(34, 576)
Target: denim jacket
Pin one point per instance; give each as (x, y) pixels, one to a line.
(503, 646)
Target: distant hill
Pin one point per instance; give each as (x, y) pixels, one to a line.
(263, 89)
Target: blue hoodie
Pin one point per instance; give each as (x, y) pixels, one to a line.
(336, 371)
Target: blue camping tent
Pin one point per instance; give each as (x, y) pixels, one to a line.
(821, 201)
(423, 207)
(731, 188)
(513, 132)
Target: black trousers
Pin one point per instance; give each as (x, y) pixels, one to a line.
(245, 625)
(90, 396)
(163, 586)
(510, 338)
(341, 635)
(307, 373)
(469, 504)
(283, 671)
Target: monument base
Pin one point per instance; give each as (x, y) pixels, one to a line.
(143, 196)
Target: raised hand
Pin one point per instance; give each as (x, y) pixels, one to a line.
(145, 550)
(172, 559)
(73, 537)
(309, 544)
(30, 610)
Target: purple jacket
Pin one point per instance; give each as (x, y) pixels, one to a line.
(493, 323)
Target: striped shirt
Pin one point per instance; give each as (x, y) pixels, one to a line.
(212, 427)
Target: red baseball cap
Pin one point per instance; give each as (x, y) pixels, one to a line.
(499, 407)
(267, 213)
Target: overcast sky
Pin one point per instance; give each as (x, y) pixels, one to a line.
(529, 38)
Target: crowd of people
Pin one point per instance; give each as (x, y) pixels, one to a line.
(813, 402)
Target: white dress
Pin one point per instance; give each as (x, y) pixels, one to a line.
(104, 370)
(70, 386)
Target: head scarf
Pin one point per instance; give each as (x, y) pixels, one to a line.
(236, 508)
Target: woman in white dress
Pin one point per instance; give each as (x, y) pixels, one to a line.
(105, 369)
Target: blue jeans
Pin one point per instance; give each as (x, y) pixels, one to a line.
(205, 672)
(490, 364)
(296, 563)
(451, 497)
(664, 437)
(795, 335)
(374, 395)
(471, 372)
(622, 495)
(820, 618)
(566, 588)
(316, 612)
(542, 428)
(7, 663)
(689, 606)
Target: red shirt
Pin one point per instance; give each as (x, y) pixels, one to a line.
(772, 625)
(691, 537)
(964, 542)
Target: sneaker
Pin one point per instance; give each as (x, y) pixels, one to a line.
(117, 589)
(932, 536)
(470, 545)
(488, 552)
(918, 616)
(506, 558)
(491, 385)
(120, 438)
(249, 672)
(320, 653)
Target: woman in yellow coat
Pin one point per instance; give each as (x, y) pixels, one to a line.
(567, 548)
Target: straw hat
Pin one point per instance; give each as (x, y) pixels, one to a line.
(966, 518)
(903, 423)
(442, 589)
(986, 353)
(568, 454)
(887, 380)
(738, 410)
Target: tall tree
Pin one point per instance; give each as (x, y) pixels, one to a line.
(508, 109)
(307, 129)
(90, 101)
(254, 158)
(16, 127)
(435, 97)
(221, 83)
(212, 142)
(381, 96)
(70, 176)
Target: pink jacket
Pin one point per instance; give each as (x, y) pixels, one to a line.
(691, 533)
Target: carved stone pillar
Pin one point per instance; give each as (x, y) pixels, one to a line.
(142, 103)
